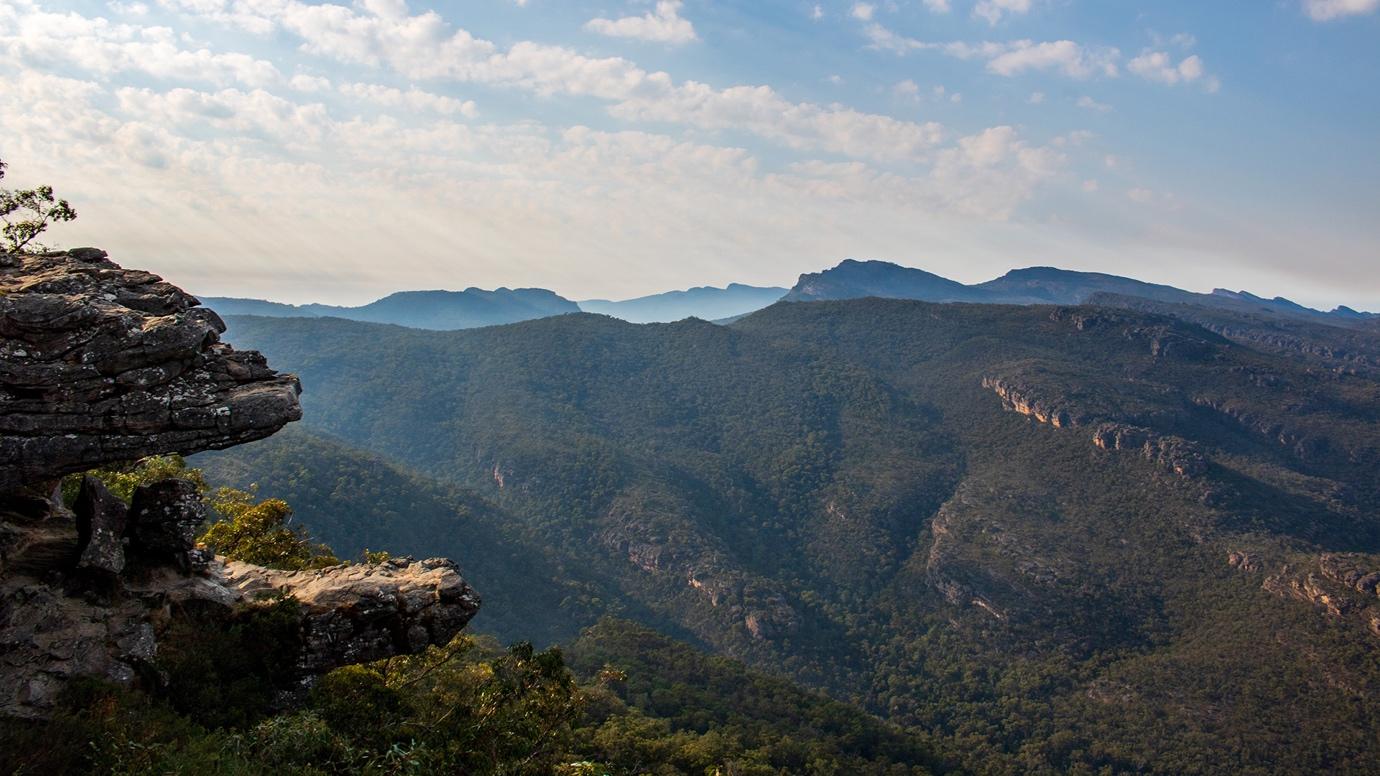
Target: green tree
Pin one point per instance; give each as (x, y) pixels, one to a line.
(123, 480)
(258, 532)
(26, 213)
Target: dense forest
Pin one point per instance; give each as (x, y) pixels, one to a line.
(1047, 539)
(617, 699)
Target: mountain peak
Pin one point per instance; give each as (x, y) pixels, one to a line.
(853, 278)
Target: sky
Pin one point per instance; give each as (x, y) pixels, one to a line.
(339, 151)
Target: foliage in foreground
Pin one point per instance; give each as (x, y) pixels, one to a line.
(635, 703)
(473, 708)
(242, 527)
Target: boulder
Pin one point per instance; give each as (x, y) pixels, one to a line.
(164, 517)
(101, 523)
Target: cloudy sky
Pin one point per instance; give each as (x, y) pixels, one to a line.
(307, 151)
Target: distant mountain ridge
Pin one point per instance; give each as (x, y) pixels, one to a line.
(440, 310)
(706, 302)
(853, 279)
(850, 279)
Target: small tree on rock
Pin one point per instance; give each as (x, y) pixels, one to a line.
(35, 209)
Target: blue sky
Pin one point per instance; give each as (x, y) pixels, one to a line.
(338, 151)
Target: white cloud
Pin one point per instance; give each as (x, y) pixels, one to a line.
(105, 49)
(863, 11)
(267, 183)
(1327, 10)
(938, 6)
(1010, 58)
(424, 47)
(1069, 58)
(388, 9)
(1036, 98)
(993, 10)
(254, 114)
(992, 172)
(1087, 103)
(801, 126)
(1158, 66)
(309, 83)
(281, 190)
(413, 99)
(1075, 138)
(129, 9)
(817, 12)
(662, 25)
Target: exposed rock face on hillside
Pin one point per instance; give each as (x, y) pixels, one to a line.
(1175, 454)
(687, 559)
(1017, 397)
(1172, 453)
(102, 365)
(1345, 585)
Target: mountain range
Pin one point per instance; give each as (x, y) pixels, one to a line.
(440, 310)
(703, 302)
(851, 279)
(1135, 534)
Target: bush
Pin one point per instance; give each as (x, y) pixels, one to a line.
(258, 532)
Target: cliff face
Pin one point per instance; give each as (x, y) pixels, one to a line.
(102, 365)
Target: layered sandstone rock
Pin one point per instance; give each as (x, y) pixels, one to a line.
(100, 364)
(348, 614)
(1019, 397)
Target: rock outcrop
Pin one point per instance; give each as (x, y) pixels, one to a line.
(1345, 585)
(1172, 453)
(1021, 398)
(1305, 447)
(361, 612)
(102, 365)
(635, 533)
(348, 614)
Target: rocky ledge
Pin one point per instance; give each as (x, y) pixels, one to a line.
(348, 614)
(100, 364)
(361, 612)
(103, 365)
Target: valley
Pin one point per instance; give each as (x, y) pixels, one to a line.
(959, 516)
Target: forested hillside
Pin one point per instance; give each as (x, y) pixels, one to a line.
(1060, 538)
